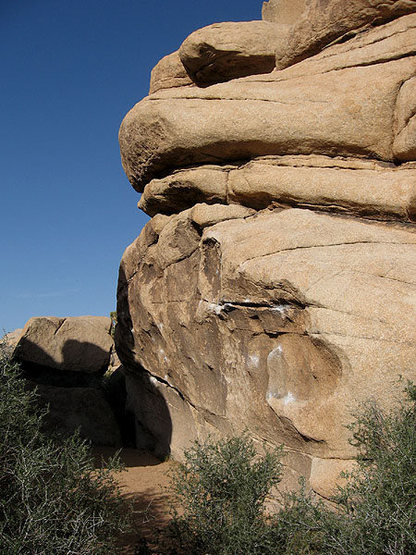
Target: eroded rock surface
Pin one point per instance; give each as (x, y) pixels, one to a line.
(79, 344)
(282, 11)
(225, 51)
(66, 359)
(274, 288)
(325, 21)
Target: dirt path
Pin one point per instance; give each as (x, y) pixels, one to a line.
(144, 482)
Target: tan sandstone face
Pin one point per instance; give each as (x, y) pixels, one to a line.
(274, 288)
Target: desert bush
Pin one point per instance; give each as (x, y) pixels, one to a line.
(222, 488)
(304, 525)
(379, 500)
(376, 506)
(52, 500)
(113, 316)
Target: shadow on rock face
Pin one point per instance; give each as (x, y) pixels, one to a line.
(145, 405)
(71, 356)
(153, 423)
(74, 392)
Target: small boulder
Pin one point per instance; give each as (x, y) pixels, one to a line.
(65, 360)
(225, 51)
(168, 73)
(80, 344)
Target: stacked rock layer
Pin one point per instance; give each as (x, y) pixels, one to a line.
(274, 288)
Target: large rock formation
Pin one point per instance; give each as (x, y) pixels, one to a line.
(274, 288)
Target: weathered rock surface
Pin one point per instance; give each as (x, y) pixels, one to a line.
(65, 359)
(282, 11)
(355, 186)
(285, 320)
(274, 288)
(325, 21)
(340, 104)
(80, 344)
(225, 51)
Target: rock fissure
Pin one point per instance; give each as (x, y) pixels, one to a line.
(240, 99)
(385, 276)
(275, 305)
(157, 379)
(366, 337)
(370, 63)
(180, 259)
(325, 245)
(175, 301)
(59, 326)
(363, 33)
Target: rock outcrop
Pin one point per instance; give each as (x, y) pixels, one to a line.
(225, 51)
(274, 288)
(327, 21)
(78, 344)
(12, 338)
(66, 359)
(282, 11)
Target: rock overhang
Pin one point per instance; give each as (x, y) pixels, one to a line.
(352, 101)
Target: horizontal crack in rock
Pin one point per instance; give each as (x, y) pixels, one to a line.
(328, 245)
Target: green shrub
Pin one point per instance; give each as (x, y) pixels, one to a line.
(222, 488)
(377, 506)
(379, 500)
(303, 525)
(113, 316)
(52, 501)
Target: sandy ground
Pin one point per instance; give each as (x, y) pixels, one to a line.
(144, 482)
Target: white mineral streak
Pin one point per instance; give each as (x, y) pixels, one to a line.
(216, 308)
(254, 360)
(289, 398)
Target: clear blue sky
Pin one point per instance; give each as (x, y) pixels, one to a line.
(70, 70)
